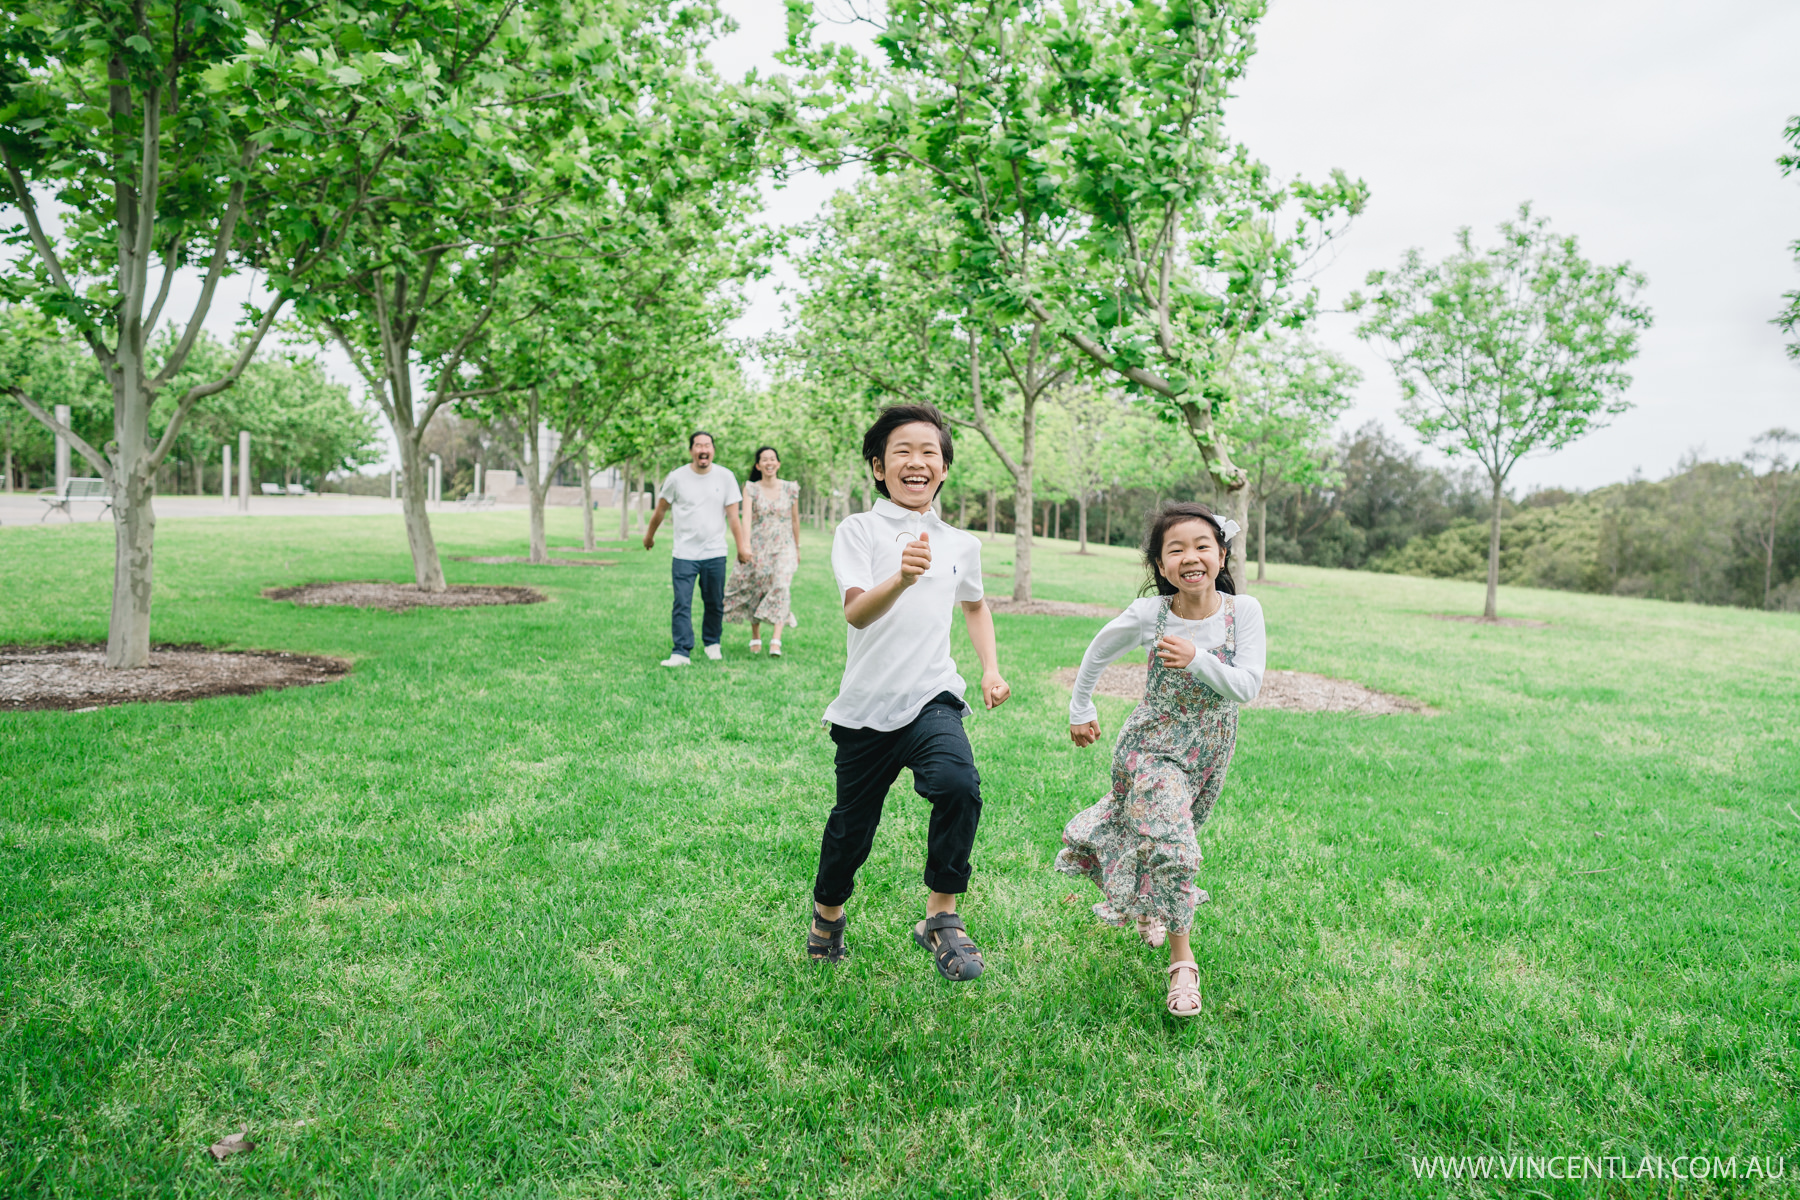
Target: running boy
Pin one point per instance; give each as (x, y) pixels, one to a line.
(902, 571)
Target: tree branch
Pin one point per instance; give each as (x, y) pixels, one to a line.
(61, 430)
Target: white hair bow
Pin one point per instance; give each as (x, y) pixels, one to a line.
(1229, 527)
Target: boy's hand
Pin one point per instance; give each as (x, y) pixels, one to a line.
(1175, 652)
(649, 540)
(1085, 734)
(915, 560)
(994, 690)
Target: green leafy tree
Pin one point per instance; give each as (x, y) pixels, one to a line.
(1789, 320)
(1288, 394)
(1080, 148)
(116, 117)
(1503, 351)
(888, 312)
(572, 129)
(1774, 486)
(600, 333)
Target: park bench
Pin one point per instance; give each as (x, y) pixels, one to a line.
(271, 489)
(78, 490)
(297, 489)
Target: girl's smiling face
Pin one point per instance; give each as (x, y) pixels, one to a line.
(1191, 556)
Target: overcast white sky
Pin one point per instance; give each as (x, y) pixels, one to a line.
(1649, 128)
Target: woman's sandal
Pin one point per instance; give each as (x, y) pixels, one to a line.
(1153, 931)
(954, 953)
(830, 947)
(775, 648)
(756, 645)
(1184, 998)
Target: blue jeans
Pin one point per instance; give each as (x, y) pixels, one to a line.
(711, 573)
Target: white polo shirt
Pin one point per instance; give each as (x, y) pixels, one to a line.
(902, 660)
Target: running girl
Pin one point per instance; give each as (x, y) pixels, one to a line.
(1139, 844)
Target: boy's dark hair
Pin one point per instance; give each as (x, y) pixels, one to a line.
(756, 471)
(701, 433)
(1170, 515)
(875, 442)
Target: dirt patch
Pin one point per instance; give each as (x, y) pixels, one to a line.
(76, 677)
(1263, 583)
(398, 597)
(555, 562)
(1291, 691)
(1514, 622)
(1052, 608)
(598, 549)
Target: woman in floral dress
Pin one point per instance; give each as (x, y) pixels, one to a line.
(1140, 844)
(759, 591)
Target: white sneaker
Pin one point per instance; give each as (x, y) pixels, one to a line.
(675, 660)
(714, 653)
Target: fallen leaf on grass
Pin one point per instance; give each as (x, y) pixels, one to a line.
(237, 1142)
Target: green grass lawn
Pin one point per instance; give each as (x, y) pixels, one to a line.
(511, 911)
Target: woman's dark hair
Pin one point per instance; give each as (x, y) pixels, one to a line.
(1170, 515)
(875, 442)
(756, 471)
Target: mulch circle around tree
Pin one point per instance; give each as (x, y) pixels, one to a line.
(77, 678)
(1289, 691)
(1263, 583)
(1515, 622)
(1052, 608)
(497, 559)
(584, 550)
(398, 597)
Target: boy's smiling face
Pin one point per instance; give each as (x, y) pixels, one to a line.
(913, 467)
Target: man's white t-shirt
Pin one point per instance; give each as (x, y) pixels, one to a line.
(697, 506)
(902, 660)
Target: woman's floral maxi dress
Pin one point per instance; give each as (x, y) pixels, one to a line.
(1139, 844)
(758, 590)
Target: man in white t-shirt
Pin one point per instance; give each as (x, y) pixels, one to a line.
(902, 573)
(705, 498)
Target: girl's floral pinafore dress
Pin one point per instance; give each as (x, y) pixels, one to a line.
(758, 590)
(1139, 844)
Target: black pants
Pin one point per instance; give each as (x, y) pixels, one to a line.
(868, 762)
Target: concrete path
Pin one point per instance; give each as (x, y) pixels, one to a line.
(23, 508)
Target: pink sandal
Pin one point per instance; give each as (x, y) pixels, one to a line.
(1184, 998)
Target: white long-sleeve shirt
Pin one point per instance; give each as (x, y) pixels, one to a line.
(1135, 629)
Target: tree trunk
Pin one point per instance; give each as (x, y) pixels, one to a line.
(1058, 528)
(1109, 508)
(537, 479)
(1024, 502)
(1082, 506)
(1262, 541)
(587, 505)
(134, 562)
(1239, 498)
(993, 508)
(624, 491)
(428, 572)
(1492, 611)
